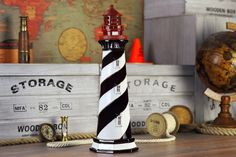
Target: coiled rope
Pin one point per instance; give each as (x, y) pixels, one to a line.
(207, 128)
(78, 139)
(17, 141)
(37, 139)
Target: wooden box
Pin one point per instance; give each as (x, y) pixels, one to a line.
(156, 88)
(37, 93)
(9, 51)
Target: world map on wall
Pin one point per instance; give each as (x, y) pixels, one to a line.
(66, 31)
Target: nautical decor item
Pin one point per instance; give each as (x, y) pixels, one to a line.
(23, 42)
(136, 55)
(64, 129)
(162, 125)
(183, 114)
(216, 67)
(113, 130)
(47, 132)
(185, 118)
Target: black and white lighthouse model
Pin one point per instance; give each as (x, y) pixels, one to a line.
(113, 130)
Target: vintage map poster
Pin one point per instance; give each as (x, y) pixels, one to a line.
(66, 31)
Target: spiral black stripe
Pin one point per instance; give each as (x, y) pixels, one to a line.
(128, 132)
(112, 111)
(112, 56)
(113, 81)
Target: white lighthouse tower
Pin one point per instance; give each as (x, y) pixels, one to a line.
(113, 130)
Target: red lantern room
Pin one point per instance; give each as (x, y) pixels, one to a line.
(112, 27)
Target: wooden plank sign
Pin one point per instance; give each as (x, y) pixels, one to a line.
(30, 127)
(156, 88)
(41, 93)
(211, 7)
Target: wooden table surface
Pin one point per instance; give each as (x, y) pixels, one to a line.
(186, 145)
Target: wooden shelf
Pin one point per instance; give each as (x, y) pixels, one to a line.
(186, 145)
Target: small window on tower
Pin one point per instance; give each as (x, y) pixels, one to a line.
(117, 64)
(118, 121)
(117, 89)
(115, 33)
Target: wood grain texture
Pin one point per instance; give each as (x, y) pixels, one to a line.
(186, 145)
(16, 128)
(209, 24)
(159, 70)
(160, 8)
(56, 106)
(161, 85)
(52, 85)
(171, 40)
(44, 69)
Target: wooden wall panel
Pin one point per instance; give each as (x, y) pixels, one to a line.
(170, 40)
(163, 8)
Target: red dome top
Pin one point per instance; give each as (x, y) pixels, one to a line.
(111, 12)
(112, 27)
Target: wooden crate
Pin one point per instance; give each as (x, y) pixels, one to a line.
(38, 93)
(156, 88)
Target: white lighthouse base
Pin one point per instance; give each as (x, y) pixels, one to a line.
(117, 146)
